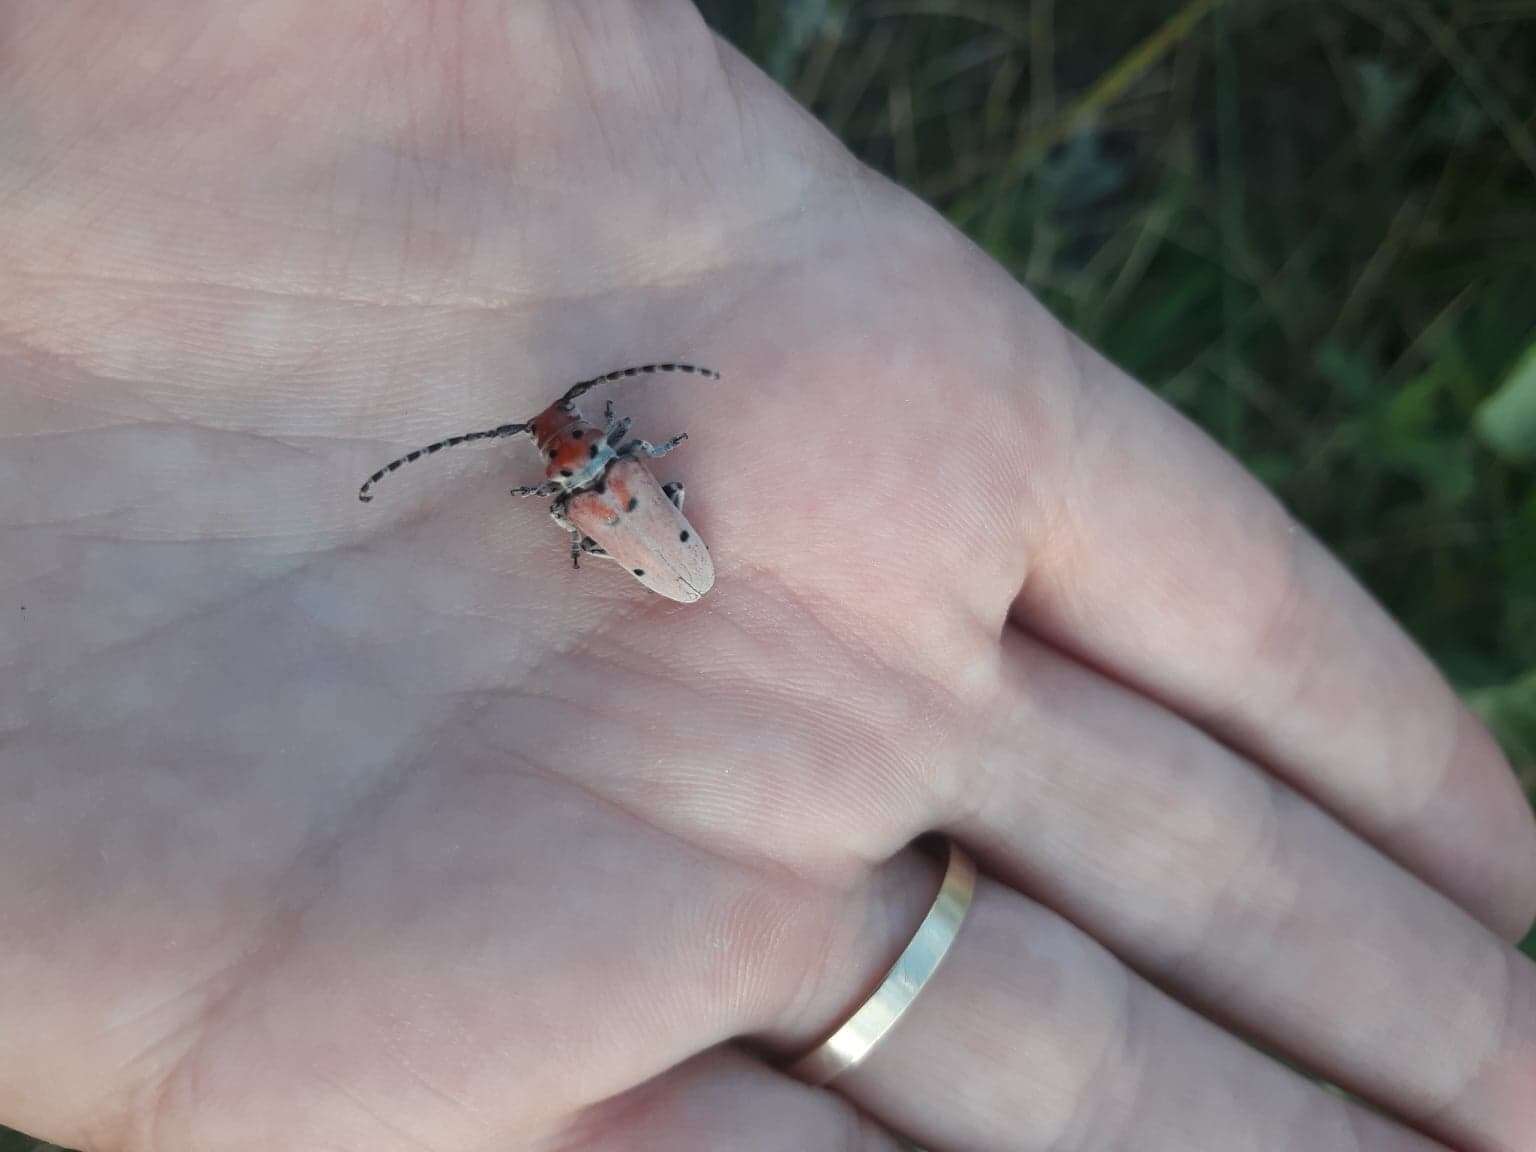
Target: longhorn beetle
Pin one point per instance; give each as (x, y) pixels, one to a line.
(605, 496)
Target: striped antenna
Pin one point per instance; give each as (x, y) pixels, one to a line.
(639, 370)
(364, 494)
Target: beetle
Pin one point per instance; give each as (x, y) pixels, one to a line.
(605, 495)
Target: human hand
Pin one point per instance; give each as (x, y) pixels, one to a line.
(344, 827)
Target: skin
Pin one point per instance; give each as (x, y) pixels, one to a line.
(335, 827)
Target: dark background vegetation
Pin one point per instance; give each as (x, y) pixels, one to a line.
(1311, 224)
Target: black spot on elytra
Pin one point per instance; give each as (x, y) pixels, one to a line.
(684, 535)
(634, 502)
(577, 434)
(639, 571)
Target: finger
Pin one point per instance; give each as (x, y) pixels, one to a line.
(1031, 1036)
(1208, 876)
(725, 1101)
(1176, 571)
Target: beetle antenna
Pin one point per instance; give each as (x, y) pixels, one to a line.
(365, 494)
(640, 369)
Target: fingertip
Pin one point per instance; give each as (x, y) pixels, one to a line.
(1520, 919)
(1486, 833)
(1511, 904)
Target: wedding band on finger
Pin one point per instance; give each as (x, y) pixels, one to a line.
(858, 1036)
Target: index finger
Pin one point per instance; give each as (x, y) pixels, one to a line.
(1172, 569)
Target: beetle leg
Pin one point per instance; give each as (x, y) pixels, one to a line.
(557, 514)
(548, 488)
(674, 493)
(646, 448)
(608, 412)
(580, 541)
(617, 430)
(585, 545)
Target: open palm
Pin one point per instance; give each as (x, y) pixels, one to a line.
(325, 826)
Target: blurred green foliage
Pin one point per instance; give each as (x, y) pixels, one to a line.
(1310, 225)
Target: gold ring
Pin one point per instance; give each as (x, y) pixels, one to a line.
(850, 1044)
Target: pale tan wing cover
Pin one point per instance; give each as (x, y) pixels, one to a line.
(640, 529)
